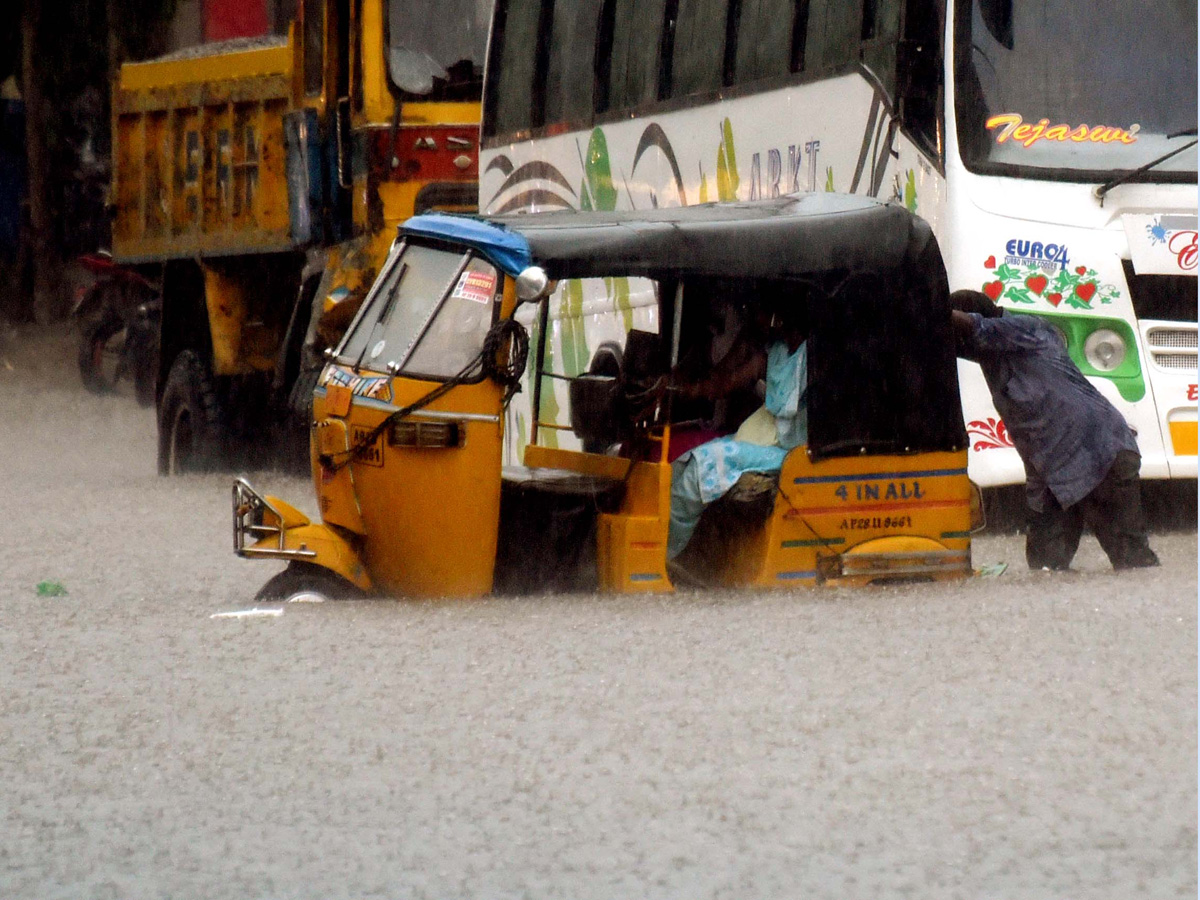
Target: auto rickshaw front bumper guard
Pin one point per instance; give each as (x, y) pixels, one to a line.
(267, 527)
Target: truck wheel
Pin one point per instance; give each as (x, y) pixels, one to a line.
(307, 580)
(189, 419)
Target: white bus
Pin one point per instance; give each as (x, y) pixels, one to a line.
(1050, 144)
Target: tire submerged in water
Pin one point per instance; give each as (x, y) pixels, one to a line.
(190, 432)
(99, 344)
(303, 579)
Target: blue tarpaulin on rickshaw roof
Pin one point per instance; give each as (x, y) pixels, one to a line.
(506, 249)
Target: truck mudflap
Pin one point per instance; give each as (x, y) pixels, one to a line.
(267, 527)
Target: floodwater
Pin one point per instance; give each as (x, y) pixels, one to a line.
(1028, 736)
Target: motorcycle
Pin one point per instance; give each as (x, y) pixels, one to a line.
(118, 316)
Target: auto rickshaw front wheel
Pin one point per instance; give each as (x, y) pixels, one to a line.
(308, 582)
(189, 419)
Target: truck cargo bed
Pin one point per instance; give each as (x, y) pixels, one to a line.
(201, 167)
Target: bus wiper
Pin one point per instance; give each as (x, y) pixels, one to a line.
(1134, 173)
(384, 315)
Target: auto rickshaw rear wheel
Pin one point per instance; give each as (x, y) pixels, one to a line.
(307, 581)
(189, 419)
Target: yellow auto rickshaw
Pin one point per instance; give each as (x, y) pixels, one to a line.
(432, 481)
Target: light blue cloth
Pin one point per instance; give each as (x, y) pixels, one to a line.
(705, 473)
(787, 390)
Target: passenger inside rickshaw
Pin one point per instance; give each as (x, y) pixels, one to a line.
(767, 361)
(735, 403)
(716, 334)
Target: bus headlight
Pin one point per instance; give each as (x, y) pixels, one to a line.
(1104, 350)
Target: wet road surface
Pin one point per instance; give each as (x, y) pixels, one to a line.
(1031, 736)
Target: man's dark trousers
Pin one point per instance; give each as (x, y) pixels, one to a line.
(1113, 510)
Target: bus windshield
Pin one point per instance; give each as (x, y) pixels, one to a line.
(1076, 91)
(436, 47)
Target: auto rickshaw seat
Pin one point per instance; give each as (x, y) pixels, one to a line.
(600, 411)
(596, 409)
(643, 360)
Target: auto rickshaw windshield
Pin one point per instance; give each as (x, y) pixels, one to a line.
(428, 316)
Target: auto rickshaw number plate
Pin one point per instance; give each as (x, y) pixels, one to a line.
(371, 455)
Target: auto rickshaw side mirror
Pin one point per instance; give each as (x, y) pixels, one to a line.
(532, 284)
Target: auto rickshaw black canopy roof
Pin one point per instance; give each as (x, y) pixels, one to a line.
(789, 237)
(883, 374)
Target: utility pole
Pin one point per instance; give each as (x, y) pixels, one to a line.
(45, 305)
(115, 51)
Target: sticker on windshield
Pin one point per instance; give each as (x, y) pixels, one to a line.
(478, 287)
(1012, 126)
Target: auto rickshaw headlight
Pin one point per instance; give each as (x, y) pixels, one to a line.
(1104, 350)
(410, 433)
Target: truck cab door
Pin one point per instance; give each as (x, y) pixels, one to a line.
(328, 27)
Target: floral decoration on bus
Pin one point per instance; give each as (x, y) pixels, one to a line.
(1012, 126)
(992, 434)
(1024, 280)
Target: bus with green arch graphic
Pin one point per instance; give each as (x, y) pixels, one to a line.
(1051, 147)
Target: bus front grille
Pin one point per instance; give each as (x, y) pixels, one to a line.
(1171, 338)
(1175, 360)
(1172, 349)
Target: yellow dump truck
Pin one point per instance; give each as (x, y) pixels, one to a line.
(260, 182)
